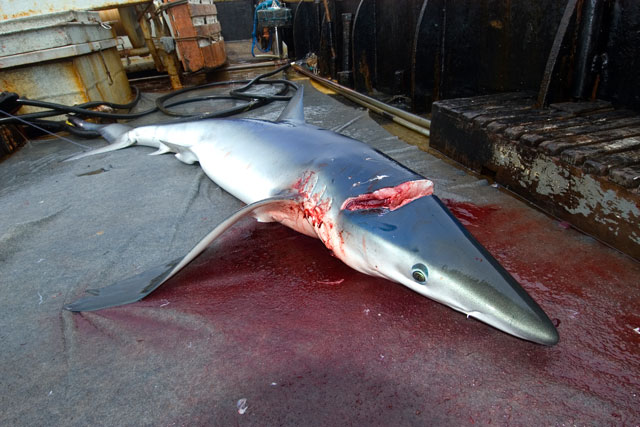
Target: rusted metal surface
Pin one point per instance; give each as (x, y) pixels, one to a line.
(12, 9)
(124, 22)
(619, 59)
(198, 34)
(93, 77)
(10, 139)
(36, 39)
(426, 60)
(67, 58)
(306, 30)
(364, 47)
(56, 53)
(578, 161)
(560, 50)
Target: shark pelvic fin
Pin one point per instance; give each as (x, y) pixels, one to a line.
(135, 288)
(163, 149)
(183, 152)
(294, 111)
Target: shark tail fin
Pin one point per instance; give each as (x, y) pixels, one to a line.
(115, 134)
(294, 111)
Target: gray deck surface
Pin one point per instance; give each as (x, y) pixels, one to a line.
(273, 323)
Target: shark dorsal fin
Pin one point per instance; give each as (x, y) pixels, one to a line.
(294, 111)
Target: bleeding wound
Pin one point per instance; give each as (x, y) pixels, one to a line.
(390, 198)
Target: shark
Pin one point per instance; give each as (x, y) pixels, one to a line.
(374, 214)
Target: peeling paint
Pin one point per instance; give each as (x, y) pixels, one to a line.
(606, 211)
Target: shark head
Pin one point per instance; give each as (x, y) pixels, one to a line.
(422, 246)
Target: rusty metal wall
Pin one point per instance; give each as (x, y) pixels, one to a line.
(620, 77)
(442, 49)
(466, 48)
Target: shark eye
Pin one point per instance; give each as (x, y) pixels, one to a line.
(419, 273)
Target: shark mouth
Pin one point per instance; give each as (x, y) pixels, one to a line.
(390, 198)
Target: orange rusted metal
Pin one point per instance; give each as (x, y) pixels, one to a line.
(197, 33)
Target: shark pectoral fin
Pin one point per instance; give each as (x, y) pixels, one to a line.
(139, 286)
(125, 291)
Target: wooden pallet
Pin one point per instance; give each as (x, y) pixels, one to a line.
(198, 34)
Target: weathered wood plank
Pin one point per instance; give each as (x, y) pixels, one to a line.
(601, 165)
(494, 99)
(577, 156)
(578, 108)
(555, 147)
(628, 177)
(535, 133)
(534, 117)
(591, 124)
(202, 9)
(208, 29)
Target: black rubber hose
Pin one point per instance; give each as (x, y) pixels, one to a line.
(81, 109)
(254, 100)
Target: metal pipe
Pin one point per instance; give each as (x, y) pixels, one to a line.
(136, 51)
(347, 18)
(275, 45)
(263, 64)
(589, 37)
(364, 99)
(399, 120)
(146, 31)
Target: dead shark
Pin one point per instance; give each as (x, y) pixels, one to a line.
(374, 214)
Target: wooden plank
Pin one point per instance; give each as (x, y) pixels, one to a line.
(493, 99)
(181, 20)
(577, 156)
(487, 115)
(555, 147)
(208, 29)
(534, 133)
(628, 177)
(218, 55)
(535, 116)
(495, 104)
(202, 9)
(582, 107)
(601, 165)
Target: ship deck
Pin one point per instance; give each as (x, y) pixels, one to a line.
(267, 328)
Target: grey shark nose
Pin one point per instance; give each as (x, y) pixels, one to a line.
(544, 332)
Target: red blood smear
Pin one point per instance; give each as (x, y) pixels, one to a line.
(390, 197)
(468, 214)
(268, 306)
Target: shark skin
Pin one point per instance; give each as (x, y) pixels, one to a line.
(374, 214)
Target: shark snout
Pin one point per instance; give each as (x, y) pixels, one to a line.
(522, 318)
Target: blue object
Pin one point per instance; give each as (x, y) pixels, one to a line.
(254, 38)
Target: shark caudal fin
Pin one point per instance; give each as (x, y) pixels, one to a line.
(114, 133)
(294, 111)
